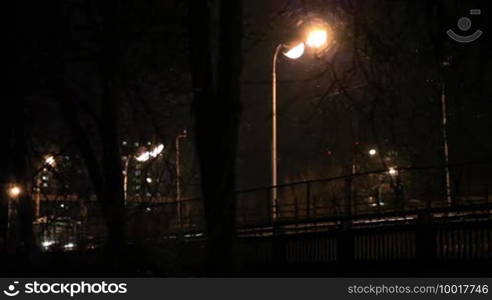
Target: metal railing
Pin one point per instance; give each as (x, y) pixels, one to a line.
(309, 206)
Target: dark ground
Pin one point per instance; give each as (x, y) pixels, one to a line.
(166, 262)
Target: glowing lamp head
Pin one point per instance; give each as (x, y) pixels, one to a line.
(150, 154)
(295, 52)
(143, 157)
(47, 244)
(317, 38)
(15, 191)
(157, 150)
(69, 246)
(372, 152)
(50, 160)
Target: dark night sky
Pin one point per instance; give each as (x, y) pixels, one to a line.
(316, 133)
(308, 127)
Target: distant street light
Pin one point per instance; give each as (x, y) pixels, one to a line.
(157, 150)
(316, 38)
(69, 246)
(50, 160)
(46, 244)
(392, 171)
(14, 191)
(143, 157)
(355, 166)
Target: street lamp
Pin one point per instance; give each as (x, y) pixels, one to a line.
(295, 52)
(14, 191)
(372, 152)
(316, 38)
(183, 135)
(143, 157)
(50, 160)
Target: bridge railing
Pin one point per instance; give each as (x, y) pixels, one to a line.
(375, 193)
(345, 198)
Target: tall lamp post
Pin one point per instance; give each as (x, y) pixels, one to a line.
(444, 125)
(444, 129)
(316, 38)
(178, 176)
(14, 192)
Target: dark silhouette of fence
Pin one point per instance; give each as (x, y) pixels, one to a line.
(373, 216)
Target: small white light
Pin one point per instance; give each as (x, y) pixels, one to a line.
(372, 152)
(50, 160)
(46, 244)
(143, 157)
(392, 171)
(69, 246)
(157, 150)
(149, 180)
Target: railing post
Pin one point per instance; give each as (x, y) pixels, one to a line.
(181, 218)
(348, 197)
(401, 192)
(354, 197)
(269, 206)
(277, 238)
(308, 200)
(345, 237)
(279, 249)
(425, 239)
(296, 209)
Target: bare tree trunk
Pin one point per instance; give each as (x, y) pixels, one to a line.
(18, 145)
(216, 28)
(21, 176)
(6, 135)
(103, 161)
(114, 202)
